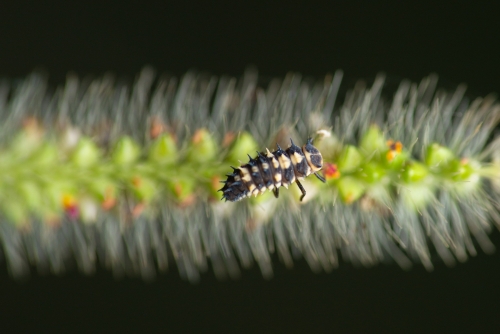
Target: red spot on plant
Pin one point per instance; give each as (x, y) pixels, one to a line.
(331, 171)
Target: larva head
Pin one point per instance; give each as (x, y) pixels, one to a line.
(313, 156)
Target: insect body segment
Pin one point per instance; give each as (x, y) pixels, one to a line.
(270, 171)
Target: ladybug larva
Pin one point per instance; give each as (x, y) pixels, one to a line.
(270, 171)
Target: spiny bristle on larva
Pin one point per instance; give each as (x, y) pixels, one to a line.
(299, 161)
(266, 171)
(280, 168)
(129, 175)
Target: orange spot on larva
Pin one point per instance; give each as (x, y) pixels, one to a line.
(331, 171)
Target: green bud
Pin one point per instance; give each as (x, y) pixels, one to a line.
(46, 154)
(181, 188)
(439, 157)
(202, 147)
(144, 188)
(414, 172)
(30, 194)
(241, 146)
(349, 160)
(163, 150)
(86, 153)
(467, 176)
(25, 143)
(350, 189)
(373, 141)
(463, 170)
(103, 188)
(398, 161)
(372, 172)
(126, 151)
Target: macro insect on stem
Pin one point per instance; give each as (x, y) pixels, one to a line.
(271, 170)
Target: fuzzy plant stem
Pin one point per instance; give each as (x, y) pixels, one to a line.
(98, 172)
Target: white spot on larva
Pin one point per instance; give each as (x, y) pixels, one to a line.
(296, 158)
(265, 166)
(251, 187)
(276, 164)
(277, 177)
(246, 175)
(237, 178)
(284, 161)
(268, 153)
(255, 169)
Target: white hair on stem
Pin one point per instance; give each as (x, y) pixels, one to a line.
(157, 217)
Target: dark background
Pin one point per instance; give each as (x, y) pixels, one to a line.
(457, 41)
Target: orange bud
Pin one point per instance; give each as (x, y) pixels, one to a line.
(394, 149)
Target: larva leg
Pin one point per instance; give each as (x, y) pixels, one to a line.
(276, 192)
(302, 190)
(321, 178)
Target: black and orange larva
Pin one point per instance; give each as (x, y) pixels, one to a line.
(270, 171)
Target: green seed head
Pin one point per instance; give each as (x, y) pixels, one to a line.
(349, 160)
(163, 150)
(126, 152)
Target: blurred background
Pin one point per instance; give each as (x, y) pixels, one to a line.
(458, 41)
